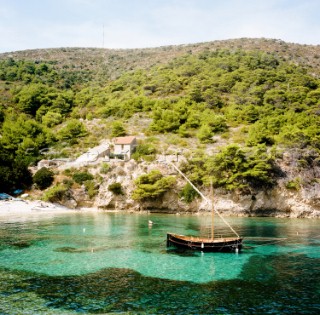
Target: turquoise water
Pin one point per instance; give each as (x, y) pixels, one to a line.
(104, 263)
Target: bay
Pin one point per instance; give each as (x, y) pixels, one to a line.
(116, 263)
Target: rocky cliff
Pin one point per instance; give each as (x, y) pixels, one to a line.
(296, 193)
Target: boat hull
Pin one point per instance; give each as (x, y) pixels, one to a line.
(206, 245)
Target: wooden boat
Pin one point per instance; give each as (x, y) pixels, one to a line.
(210, 244)
(228, 244)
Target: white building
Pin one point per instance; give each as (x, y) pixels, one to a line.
(125, 146)
(93, 154)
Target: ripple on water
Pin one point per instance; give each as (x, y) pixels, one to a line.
(284, 291)
(103, 264)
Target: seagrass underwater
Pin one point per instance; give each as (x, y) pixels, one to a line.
(95, 262)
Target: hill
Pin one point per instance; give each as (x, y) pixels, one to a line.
(110, 63)
(236, 110)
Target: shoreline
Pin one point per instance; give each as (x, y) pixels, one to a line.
(19, 207)
(22, 207)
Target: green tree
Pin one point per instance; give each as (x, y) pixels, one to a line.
(116, 188)
(31, 97)
(43, 178)
(21, 132)
(51, 119)
(205, 134)
(188, 193)
(233, 168)
(117, 129)
(152, 186)
(165, 120)
(1, 114)
(145, 151)
(56, 193)
(73, 129)
(14, 172)
(91, 188)
(81, 177)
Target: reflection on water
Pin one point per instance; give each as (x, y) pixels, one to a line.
(100, 263)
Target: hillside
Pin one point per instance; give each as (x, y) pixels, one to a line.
(243, 114)
(110, 63)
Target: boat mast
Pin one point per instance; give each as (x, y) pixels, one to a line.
(212, 213)
(204, 198)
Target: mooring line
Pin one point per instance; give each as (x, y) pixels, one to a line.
(269, 243)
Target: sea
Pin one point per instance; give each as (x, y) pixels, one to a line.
(117, 263)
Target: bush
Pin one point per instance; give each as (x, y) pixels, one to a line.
(294, 184)
(43, 178)
(51, 119)
(14, 173)
(74, 129)
(233, 168)
(81, 177)
(116, 188)
(152, 186)
(56, 193)
(68, 182)
(188, 193)
(205, 134)
(117, 129)
(91, 188)
(69, 171)
(146, 151)
(105, 168)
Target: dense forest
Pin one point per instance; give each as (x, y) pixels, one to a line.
(255, 101)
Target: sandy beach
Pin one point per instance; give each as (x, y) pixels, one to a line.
(19, 207)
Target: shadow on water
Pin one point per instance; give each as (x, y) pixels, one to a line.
(278, 284)
(273, 280)
(181, 252)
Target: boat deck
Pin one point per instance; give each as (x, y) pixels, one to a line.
(204, 239)
(227, 244)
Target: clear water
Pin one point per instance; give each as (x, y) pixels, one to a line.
(101, 263)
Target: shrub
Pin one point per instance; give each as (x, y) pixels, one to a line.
(105, 167)
(43, 178)
(69, 171)
(233, 168)
(294, 184)
(116, 188)
(51, 119)
(74, 129)
(56, 193)
(81, 177)
(14, 173)
(205, 134)
(91, 188)
(117, 129)
(188, 193)
(152, 186)
(68, 182)
(146, 151)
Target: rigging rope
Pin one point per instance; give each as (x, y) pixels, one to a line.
(203, 197)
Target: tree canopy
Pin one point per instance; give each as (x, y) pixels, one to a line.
(268, 99)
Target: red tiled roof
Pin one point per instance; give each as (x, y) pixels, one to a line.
(124, 140)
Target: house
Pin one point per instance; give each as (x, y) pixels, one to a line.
(125, 146)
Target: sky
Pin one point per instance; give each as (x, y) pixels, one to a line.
(34, 24)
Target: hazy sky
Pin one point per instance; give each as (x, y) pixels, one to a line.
(29, 24)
